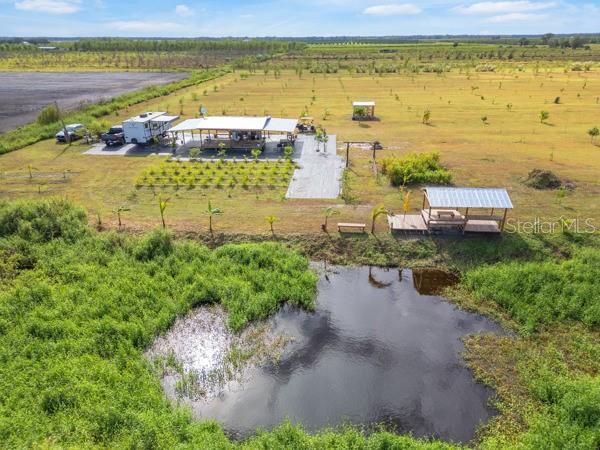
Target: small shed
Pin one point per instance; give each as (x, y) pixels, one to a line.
(363, 110)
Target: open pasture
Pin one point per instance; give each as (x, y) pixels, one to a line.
(485, 125)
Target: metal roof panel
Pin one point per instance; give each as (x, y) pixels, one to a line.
(444, 197)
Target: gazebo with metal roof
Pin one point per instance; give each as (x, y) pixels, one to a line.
(234, 132)
(468, 210)
(363, 110)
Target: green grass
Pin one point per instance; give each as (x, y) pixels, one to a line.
(78, 309)
(546, 292)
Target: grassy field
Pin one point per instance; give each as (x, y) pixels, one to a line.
(498, 152)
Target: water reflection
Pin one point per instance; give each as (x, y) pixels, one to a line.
(375, 351)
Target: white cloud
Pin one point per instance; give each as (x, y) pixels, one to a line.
(393, 9)
(504, 8)
(49, 6)
(183, 11)
(515, 17)
(144, 26)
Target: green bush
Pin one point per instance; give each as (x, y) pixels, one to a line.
(416, 168)
(49, 115)
(42, 221)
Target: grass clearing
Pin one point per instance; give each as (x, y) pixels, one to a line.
(499, 153)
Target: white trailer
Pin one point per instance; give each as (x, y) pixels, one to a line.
(144, 128)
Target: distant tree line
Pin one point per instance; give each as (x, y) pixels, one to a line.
(185, 45)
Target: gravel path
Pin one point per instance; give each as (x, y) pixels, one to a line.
(320, 172)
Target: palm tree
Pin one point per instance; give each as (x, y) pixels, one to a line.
(210, 211)
(30, 168)
(120, 210)
(330, 212)
(162, 204)
(271, 220)
(375, 213)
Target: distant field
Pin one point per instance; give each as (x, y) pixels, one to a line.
(24, 94)
(499, 152)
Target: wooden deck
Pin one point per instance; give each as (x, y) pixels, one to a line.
(409, 223)
(414, 223)
(482, 226)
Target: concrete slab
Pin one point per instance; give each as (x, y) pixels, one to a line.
(320, 172)
(127, 150)
(104, 150)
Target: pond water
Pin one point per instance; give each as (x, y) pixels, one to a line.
(375, 351)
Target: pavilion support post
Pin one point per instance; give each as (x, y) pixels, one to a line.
(503, 220)
(424, 198)
(429, 216)
(347, 154)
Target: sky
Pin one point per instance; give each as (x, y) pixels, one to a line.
(190, 18)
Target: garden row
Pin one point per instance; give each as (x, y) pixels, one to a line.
(217, 174)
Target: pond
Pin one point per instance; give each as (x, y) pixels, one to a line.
(375, 351)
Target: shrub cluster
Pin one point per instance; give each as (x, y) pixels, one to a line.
(416, 168)
(541, 293)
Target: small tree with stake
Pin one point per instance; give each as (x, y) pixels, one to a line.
(288, 151)
(210, 211)
(544, 115)
(593, 133)
(377, 211)
(271, 220)
(256, 153)
(426, 116)
(122, 209)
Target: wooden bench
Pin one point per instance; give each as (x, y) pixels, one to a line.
(360, 226)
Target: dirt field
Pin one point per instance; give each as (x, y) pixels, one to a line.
(496, 153)
(24, 94)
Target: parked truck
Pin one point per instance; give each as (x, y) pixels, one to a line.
(114, 136)
(146, 127)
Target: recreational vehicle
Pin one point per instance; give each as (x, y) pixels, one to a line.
(144, 128)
